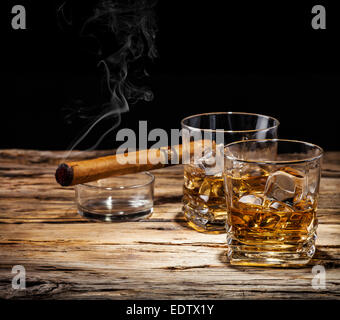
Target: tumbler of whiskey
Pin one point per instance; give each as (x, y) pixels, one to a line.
(271, 191)
(204, 203)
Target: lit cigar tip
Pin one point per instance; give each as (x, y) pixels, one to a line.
(64, 175)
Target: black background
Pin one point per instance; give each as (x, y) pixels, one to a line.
(253, 56)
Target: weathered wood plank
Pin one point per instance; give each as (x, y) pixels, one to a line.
(69, 257)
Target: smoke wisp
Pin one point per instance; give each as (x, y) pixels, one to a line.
(124, 33)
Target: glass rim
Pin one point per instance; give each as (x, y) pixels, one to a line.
(135, 186)
(276, 121)
(310, 159)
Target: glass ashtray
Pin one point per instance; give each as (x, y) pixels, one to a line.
(120, 198)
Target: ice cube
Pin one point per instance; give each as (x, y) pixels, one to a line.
(212, 162)
(194, 171)
(279, 206)
(204, 190)
(189, 183)
(217, 188)
(301, 187)
(281, 186)
(251, 199)
(192, 182)
(249, 204)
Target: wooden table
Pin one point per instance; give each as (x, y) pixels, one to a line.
(66, 256)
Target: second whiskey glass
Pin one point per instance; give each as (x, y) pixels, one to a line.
(204, 204)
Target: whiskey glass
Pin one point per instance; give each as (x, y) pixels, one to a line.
(271, 191)
(204, 204)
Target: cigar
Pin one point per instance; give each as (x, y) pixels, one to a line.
(76, 172)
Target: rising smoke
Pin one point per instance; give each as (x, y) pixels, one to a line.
(125, 32)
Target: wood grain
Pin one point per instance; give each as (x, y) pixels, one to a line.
(69, 257)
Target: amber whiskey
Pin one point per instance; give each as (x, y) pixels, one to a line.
(270, 212)
(204, 202)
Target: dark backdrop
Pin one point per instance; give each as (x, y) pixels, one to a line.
(254, 56)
